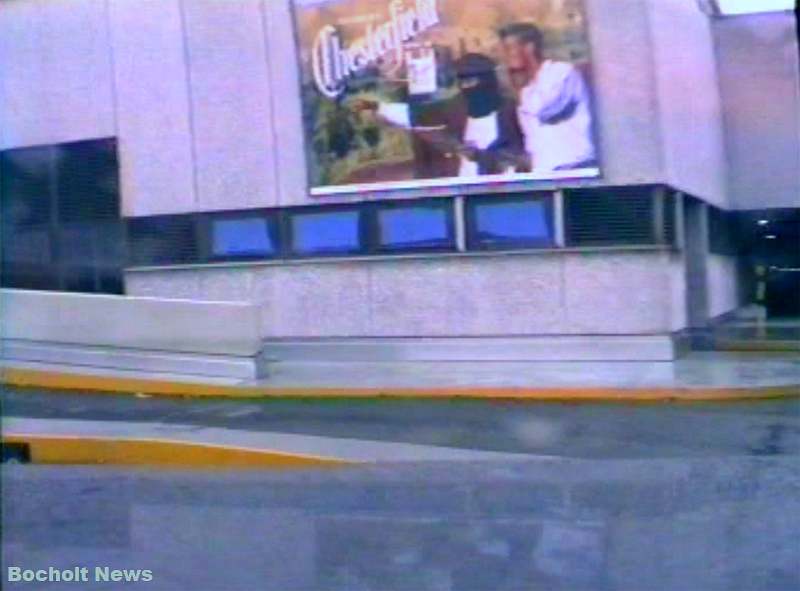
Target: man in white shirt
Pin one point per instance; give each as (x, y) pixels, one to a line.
(480, 126)
(554, 104)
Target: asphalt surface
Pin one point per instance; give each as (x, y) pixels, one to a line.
(672, 497)
(727, 524)
(569, 430)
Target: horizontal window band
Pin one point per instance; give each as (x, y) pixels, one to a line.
(399, 258)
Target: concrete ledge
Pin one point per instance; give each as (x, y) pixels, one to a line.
(26, 378)
(190, 364)
(150, 324)
(555, 348)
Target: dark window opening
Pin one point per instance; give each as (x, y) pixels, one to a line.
(61, 226)
(26, 187)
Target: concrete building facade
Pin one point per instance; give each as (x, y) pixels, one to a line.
(695, 115)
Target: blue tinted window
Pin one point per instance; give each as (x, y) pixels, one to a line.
(414, 227)
(326, 233)
(505, 222)
(242, 237)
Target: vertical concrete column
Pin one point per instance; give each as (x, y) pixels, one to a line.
(696, 236)
(678, 274)
(559, 222)
(283, 59)
(680, 220)
(152, 90)
(659, 215)
(235, 144)
(459, 214)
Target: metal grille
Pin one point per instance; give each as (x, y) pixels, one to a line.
(163, 240)
(611, 216)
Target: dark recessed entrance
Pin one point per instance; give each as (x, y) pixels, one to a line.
(772, 244)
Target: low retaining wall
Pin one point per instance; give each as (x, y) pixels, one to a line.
(554, 293)
(136, 334)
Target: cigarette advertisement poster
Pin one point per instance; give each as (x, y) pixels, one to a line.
(430, 93)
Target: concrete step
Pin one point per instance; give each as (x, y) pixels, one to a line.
(544, 348)
(78, 358)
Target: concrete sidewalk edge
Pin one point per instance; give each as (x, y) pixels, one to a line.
(91, 383)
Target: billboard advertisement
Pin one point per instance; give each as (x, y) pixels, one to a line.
(431, 93)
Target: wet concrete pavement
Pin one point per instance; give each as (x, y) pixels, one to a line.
(703, 524)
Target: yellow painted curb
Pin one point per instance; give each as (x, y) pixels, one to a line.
(25, 378)
(62, 449)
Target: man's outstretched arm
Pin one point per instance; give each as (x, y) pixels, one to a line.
(396, 114)
(560, 95)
